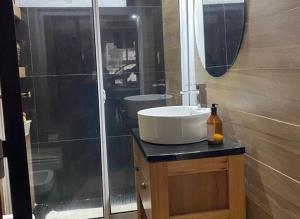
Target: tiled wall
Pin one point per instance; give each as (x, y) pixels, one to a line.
(172, 49)
(64, 102)
(259, 105)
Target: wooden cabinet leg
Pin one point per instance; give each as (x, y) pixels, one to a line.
(159, 191)
(237, 205)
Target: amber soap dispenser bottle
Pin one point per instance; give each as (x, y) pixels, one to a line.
(214, 127)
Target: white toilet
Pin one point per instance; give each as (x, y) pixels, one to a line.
(44, 167)
(43, 181)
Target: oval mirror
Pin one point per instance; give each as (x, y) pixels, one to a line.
(219, 28)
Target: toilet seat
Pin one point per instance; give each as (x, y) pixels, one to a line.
(43, 181)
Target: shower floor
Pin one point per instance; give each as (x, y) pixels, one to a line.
(85, 209)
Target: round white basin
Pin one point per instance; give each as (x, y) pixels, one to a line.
(173, 124)
(135, 103)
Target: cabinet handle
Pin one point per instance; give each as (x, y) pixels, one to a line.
(137, 169)
(144, 185)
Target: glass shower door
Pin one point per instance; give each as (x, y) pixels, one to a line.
(59, 83)
(73, 55)
(135, 77)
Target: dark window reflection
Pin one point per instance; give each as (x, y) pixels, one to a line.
(223, 30)
(58, 51)
(132, 38)
(59, 55)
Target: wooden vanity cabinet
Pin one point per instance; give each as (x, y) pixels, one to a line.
(205, 188)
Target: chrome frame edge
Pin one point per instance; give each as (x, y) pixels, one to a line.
(184, 50)
(104, 160)
(191, 54)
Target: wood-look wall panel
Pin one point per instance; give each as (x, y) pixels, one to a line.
(269, 58)
(275, 143)
(170, 8)
(260, 106)
(171, 34)
(247, 100)
(171, 26)
(172, 60)
(269, 36)
(281, 154)
(264, 32)
(276, 193)
(264, 125)
(267, 82)
(172, 55)
(258, 9)
(254, 211)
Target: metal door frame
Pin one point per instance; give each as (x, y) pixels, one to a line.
(101, 96)
(187, 50)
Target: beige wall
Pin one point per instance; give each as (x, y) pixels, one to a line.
(172, 49)
(260, 105)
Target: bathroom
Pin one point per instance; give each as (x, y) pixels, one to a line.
(77, 72)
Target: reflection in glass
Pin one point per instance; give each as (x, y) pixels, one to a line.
(134, 79)
(57, 49)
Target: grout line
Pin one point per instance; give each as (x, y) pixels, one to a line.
(118, 136)
(277, 171)
(172, 48)
(67, 140)
(269, 118)
(269, 47)
(80, 139)
(60, 75)
(35, 75)
(217, 66)
(275, 70)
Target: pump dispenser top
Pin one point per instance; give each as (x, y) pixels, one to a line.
(214, 109)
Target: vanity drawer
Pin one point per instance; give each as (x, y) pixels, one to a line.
(142, 180)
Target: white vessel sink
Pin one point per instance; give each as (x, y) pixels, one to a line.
(173, 124)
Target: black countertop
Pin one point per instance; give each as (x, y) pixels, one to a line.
(160, 153)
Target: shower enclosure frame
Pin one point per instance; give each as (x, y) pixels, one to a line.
(187, 50)
(17, 155)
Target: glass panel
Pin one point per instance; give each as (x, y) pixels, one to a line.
(134, 72)
(60, 102)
